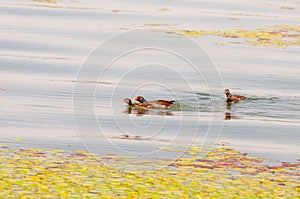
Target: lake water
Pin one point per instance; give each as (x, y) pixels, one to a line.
(61, 92)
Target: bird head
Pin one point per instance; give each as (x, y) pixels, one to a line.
(139, 99)
(226, 91)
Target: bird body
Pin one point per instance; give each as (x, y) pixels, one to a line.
(155, 103)
(145, 108)
(233, 98)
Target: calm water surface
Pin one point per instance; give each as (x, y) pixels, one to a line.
(43, 47)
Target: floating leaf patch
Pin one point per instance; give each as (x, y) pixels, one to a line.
(275, 36)
(222, 173)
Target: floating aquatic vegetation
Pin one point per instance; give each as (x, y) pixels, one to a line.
(280, 36)
(19, 139)
(287, 8)
(275, 36)
(223, 173)
(48, 1)
(164, 10)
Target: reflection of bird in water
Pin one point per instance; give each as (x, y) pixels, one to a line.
(227, 115)
(231, 99)
(156, 103)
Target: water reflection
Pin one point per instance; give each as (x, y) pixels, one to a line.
(228, 113)
(144, 111)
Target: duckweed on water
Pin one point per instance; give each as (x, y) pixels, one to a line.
(279, 36)
(48, 1)
(275, 36)
(223, 173)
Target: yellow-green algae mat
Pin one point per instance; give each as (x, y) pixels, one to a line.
(277, 36)
(222, 173)
(280, 36)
